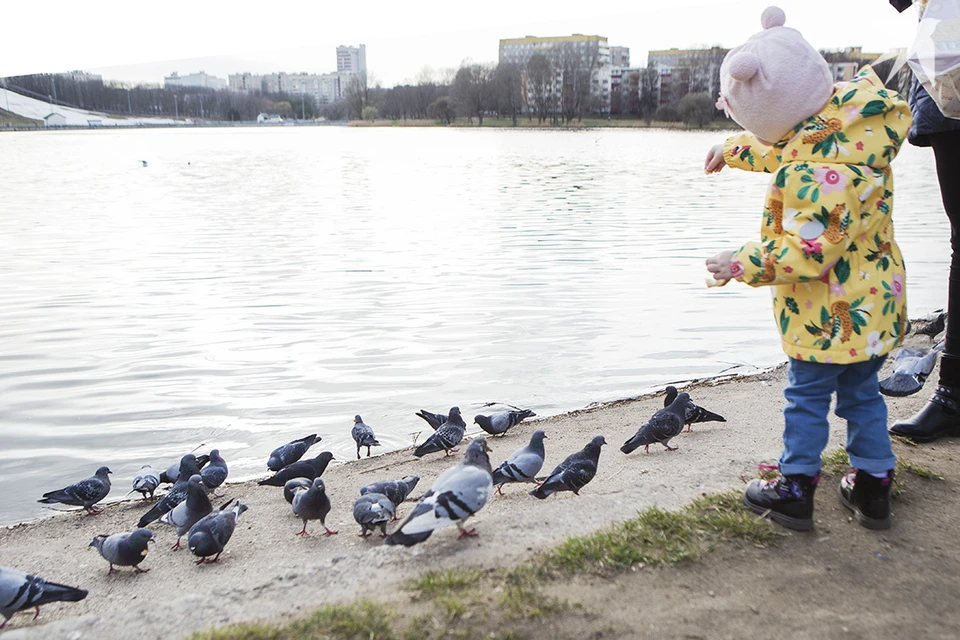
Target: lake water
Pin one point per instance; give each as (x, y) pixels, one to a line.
(251, 286)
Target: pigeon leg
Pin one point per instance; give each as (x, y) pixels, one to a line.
(447, 452)
(3, 624)
(646, 449)
(669, 448)
(303, 532)
(176, 546)
(37, 614)
(111, 569)
(688, 429)
(329, 532)
(358, 452)
(139, 570)
(368, 451)
(93, 511)
(500, 488)
(200, 561)
(466, 533)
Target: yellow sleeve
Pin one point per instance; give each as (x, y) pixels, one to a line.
(809, 235)
(744, 151)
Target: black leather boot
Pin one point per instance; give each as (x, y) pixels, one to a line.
(867, 497)
(787, 500)
(939, 417)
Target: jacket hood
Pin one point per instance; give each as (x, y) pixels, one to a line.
(863, 123)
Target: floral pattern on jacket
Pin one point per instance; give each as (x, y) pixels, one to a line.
(827, 242)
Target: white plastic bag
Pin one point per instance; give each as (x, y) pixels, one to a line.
(935, 55)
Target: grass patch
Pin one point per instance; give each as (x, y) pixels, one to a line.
(361, 620)
(658, 537)
(434, 583)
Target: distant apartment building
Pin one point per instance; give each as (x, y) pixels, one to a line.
(624, 89)
(245, 82)
(320, 89)
(683, 71)
(591, 53)
(620, 57)
(201, 80)
(352, 59)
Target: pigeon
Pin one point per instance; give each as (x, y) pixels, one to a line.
(313, 504)
(85, 493)
(309, 469)
(215, 473)
(285, 455)
(661, 427)
(523, 464)
(210, 535)
(911, 367)
(177, 493)
(433, 419)
(146, 481)
(931, 326)
(456, 495)
(372, 510)
(363, 435)
(20, 591)
(574, 472)
(188, 513)
(497, 424)
(396, 490)
(124, 549)
(694, 413)
(446, 437)
(292, 486)
(172, 473)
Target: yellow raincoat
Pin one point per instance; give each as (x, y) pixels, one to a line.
(827, 235)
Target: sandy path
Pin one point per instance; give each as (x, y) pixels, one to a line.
(267, 572)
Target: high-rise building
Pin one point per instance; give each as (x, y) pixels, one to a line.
(352, 59)
(245, 82)
(620, 57)
(575, 52)
(684, 71)
(196, 80)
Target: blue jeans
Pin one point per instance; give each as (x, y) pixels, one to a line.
(806, 431)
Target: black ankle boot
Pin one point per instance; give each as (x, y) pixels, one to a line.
(867, 497)
(787, 500)
(939, 417)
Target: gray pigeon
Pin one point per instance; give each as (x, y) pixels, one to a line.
(309, 469)
(85, 493)
(396, 490)
(177, 493)
(20, 591)
(172, 473)
(446, 437)
(497, 424)
(456, 495)
(287, 454)
(372, 510)
(188, 513)
(694, 413)
(574, 472)
(363, 435)
(210, 535)
(662, 426)
(931, 325)
(911, 368)
(124, 549)
(215, 473)
(146, 482)
(523, 464)
(433, 419)
(313, 504)
(292, 486)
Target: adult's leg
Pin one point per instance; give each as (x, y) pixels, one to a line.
(941, 416)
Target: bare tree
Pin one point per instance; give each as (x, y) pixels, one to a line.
(648, 93)
(356, 95)
(472, 88)
(540, 77)
(508, 90)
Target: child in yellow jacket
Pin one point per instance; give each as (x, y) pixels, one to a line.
(827, 248)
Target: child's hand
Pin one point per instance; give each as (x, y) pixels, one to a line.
(714, 162)
(719, 265)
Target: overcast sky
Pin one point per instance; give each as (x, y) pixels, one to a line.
(402, 39)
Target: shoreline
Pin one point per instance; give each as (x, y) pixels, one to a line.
(265, 563)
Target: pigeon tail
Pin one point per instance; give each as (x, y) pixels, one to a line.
(705, 415)
(54, 592)
(406, 539)
(899, 385)
(543, 492)
(632, 444)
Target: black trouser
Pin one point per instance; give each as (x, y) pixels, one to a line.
(946, 149)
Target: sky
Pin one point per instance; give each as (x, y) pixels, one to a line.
(143, 42)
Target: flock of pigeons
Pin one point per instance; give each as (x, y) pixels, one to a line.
(455, 495)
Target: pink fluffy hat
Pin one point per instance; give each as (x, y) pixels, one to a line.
(775, 80)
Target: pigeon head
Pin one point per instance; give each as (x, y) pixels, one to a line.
(239, 508)
(140, 537)
(215, 455)
(681, 401)
(411, 481)
(98, 540)
(195, 479)
(538, 436)
(598, 441)
(357, 419)
(477, 453)
(319, 484)
(454, 411)
(102, 471)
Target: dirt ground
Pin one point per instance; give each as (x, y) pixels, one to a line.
(839, 580)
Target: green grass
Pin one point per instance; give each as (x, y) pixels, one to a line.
(658, 537)
(434, 583)
(361, 620)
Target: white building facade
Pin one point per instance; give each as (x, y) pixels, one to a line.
(352, 59)
(200, 80)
